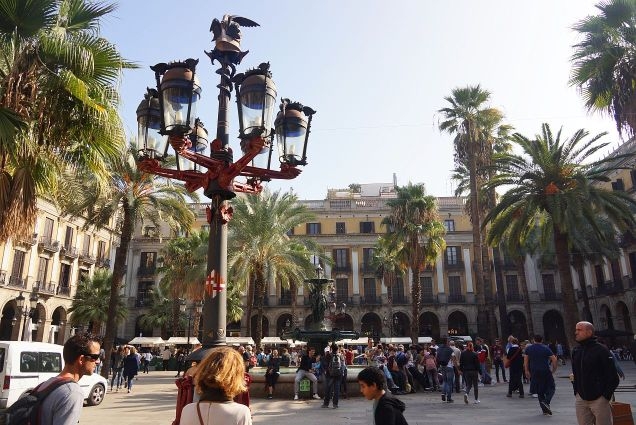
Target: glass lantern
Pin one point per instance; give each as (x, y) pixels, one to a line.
(292, 131)
(256, 100)
(150, 142)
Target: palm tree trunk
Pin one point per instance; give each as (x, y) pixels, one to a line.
(259, 318)
(570, 310)
(416, 299)
(250, 305)
(586, 299)
(175, 316)
(523, 283)
(119, 270)
(293, 290)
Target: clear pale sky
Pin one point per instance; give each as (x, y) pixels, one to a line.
(377, 73)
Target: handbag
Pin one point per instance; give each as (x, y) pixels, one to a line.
(507, 361)
(199, 412)
(621, 413)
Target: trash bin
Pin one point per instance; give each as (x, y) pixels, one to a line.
(304, 388)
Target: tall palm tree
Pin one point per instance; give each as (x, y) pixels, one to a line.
(553, 187)
(58, 101)
(131, 199)
(90, 304)
(261, 250)
(415, 229)
(388, 264)
(473, 123)
(158, 315)
(603, 63)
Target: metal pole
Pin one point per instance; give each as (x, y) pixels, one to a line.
(25, 314)
(189, 320)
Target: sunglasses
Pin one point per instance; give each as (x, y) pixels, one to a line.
(93, 357)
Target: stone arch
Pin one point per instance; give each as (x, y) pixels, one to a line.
(518, 325)
(233, 328)
(606, 317)
(622, 312)
(343, 322)
(141, 330)
(10, 322)
(254, 325)
(457, 323)
(371, 325)
(58, 325)
(285, 322)
(429, 325)
(38, 323)
(403, 326)
(553, 328)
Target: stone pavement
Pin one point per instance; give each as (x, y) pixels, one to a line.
(152, 401)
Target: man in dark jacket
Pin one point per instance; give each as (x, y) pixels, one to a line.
(305, 371)
(387, 410)
(595, 377)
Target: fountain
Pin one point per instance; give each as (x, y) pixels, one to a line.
(324, 310)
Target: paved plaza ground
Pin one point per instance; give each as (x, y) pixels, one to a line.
(152, 401)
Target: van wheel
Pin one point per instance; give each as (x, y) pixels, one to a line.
(96, 396)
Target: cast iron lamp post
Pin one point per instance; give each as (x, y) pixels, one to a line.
(25, 312)
(392, 324)
(167, 118)
(196, 307)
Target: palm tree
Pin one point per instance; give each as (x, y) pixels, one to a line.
(131, 199)
(158, 315)
(472, 123)
(604, 62)
(261, 250)
(58, 101)
(553, 187)
(415, 229)
(90, 304)
(388, 264)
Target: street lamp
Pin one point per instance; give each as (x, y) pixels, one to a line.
(169, 113)
(196, 307)
(392, 324)
(25, 312)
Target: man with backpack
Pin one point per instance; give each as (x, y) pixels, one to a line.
(59, 400)
(333, 370)
(447, 361)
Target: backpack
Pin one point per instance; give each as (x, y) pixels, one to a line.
(401, 359)
(26, 410)
(444, 355)
(335, 366)
(481, 356)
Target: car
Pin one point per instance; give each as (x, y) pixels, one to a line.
(24, 365)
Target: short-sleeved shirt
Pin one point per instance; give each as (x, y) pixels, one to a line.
(216, 413)
(538, 357)
(63, 406)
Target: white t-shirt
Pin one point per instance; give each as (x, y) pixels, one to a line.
(63, 405)
(227, 413)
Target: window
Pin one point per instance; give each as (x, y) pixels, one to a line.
(340, 228)
(369, 288)
(83, 275)
(367, 227)
(18, 263)
(68, 238)
(454, 286)
(86, 246)
(342, 289)
(285, 296)
(313, 228)
(367, 257)
(144, 293)
(426, 282)
(600, 277)
(43, 267)
(398, 290)
(632, 174)
(48, 229)
(452, 255)
(512, 286)
(449, 225)
(290, 232)
(618, 185)
(101, 250)
(548, 284)
(50, 362)
(616, 270)
(65, 275)
(342, 259)
(148, 260)
(149, 231)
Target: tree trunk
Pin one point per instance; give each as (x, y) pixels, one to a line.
(293, 290)
(175, 316)
(250, 305)
(570, 310)
(119, 270)
(416, 299)
(501, 295)
(261, 288)
(586, 299)
(523, 283)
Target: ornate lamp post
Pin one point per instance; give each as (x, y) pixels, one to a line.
(196, 307)
(25, 312)
(167, 118)
(392, 324)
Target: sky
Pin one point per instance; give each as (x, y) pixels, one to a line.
(376, 72)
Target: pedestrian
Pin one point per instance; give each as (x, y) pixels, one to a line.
(305, 371)
(482, 353)
(539, 365)
(166, 354)
(632, 349)
(333, 375)
(272, 373)
(180, 356)
(595, 377)
(117, 363)
(514, 358)
(498, 354)
(218, 379)
(387, 410)
(131, 367)
(430, 363)
(63, 405)
(447, 361)
(469, 368)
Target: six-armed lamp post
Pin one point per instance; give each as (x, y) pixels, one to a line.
(167, 118)
(26, 311)
(196, 307)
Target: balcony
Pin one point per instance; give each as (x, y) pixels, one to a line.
(49, 245)
(44, 288)
(515, 298)
(454, 265)
(285, 300)
(17, 282)
(550, 296)
(144, 272)
(547, 262)
(103, 263)
(368, 269)
(610, 288)
(429, 299)
(27, 242)
(370, 300)
(64, 290)
(456, 298)
(86, 258)
(342, 268)
(400, 299)
(69, 252)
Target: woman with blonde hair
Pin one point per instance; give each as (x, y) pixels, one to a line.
(218, 378)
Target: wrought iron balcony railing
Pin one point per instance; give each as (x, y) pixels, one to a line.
(456, 298)
(48, 244)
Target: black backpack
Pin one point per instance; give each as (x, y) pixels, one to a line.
(444, 355)
(335, 366)
(26, 410)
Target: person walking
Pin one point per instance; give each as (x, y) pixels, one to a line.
(305, 371)
(166, 354)
(333, 375)
(514, 358)
(272, 373)
(447, 361)
(497, 361)
(469, 368)
(63, 405)
(595, 377)
(117, 366)
(131, 367)
(539, 365)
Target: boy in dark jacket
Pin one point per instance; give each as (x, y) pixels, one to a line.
(387, 410)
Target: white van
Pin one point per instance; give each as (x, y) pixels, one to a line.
(24, 365)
